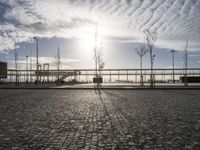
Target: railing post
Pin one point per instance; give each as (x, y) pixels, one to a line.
(127, 75)
(118, 76)
(110, 77)
(136, 76)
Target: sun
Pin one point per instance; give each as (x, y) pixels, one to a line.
(89, 38)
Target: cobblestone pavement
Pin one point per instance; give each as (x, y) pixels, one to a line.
(89, 119)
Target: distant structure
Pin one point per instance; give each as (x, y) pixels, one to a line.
(3, 70)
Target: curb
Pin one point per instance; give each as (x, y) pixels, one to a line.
(107, 88)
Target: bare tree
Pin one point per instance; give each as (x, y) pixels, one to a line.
(96, 61)
(186, 61)
(58, 63)
(151, 36)
(98, 56)
(100, 62)
(141, 51)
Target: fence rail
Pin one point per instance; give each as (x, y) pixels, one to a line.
(109, 75)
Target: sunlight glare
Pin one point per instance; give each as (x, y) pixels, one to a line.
(87, 38)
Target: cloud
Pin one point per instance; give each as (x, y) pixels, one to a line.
(174, 20)
(194, 55)
(65, 62)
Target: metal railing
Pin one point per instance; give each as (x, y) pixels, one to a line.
(109, 75)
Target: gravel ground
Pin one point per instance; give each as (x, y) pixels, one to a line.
(106, 119)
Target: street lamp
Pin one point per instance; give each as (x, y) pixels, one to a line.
(31, 66)
(173, 51)
(16, 77)
(36, 38)
(152, 74)
(27, 68)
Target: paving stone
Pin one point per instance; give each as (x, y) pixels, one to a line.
(89, 119)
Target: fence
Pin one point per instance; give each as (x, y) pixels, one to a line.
(108, 75)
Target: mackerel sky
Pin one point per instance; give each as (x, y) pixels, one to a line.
(71, 25)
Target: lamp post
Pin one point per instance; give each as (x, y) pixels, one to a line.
(31, 66)
(16, 77)
(152, 74)
(36, 38)
(186, 61)
(27, 68)
(173, 51)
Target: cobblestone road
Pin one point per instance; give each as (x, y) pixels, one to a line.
(89, 119)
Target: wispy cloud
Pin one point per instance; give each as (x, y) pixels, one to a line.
(65, 62)
(174, 20)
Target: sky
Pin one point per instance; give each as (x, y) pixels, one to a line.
(70, 25)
